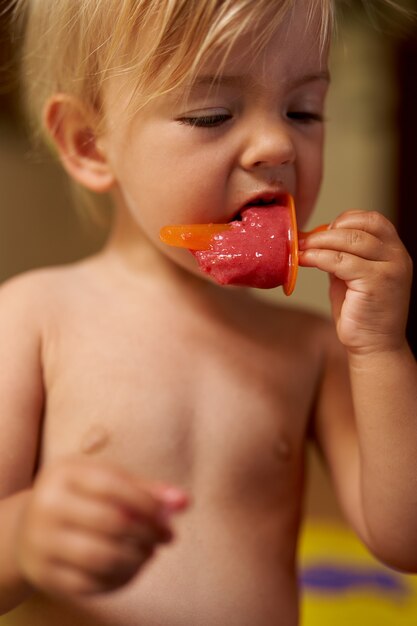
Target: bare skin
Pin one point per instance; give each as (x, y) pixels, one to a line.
(140, 400)
(175, 407)
(217, 425)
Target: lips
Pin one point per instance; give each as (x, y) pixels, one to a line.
(261, 200)
(266, 199)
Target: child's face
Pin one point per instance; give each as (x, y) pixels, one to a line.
(201, 159)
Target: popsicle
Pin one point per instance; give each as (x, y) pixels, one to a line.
(260, 250)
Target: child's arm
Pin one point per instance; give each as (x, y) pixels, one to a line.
(368, 429)
(21, 402)
(82, 526)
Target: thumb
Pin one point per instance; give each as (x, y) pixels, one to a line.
(337, 293)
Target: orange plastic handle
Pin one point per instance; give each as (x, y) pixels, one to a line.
(192, 236)
(289, 284)
(200, 237)
(293, 236)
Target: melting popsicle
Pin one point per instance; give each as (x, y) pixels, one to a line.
(259, 251)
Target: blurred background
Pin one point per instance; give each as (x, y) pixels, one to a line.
(370, 164)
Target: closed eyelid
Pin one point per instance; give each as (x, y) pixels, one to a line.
(200, 94)
(205, 97)
(205, 121)
(206, 110)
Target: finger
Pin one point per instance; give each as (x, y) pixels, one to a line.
(345, 266)
(351, 240)
(98, 557)
(108, 519)
(337, 292)
(369, 221)
(174, 499)
(65, 581)
(114, 485)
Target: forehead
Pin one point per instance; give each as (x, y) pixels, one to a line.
(295, 48)
(288, 47)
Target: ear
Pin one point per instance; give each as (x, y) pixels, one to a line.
(71, 126)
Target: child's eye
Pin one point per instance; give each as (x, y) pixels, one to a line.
(305, 117)
(206, 121)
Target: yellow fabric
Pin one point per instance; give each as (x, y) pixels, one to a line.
(379, 597)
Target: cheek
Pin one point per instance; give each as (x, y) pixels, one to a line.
(177, 181)
(309, 176)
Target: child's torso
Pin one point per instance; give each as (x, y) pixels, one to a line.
(218, 404)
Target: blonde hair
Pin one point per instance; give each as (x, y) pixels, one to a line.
(75, 46)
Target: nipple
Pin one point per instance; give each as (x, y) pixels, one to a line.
(94, 439)
(282, 448)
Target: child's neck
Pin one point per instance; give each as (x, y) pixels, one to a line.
(129, 250)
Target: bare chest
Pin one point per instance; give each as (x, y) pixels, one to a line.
(219, 410)
(206, 407)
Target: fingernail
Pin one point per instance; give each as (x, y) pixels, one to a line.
(172, 495)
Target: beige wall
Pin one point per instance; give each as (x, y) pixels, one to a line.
(38, 225)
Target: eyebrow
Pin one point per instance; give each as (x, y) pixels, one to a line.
(244, 79)
(310, 78)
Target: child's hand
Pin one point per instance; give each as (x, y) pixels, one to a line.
(89, 528)
(370, 273)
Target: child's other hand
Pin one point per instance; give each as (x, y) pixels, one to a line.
(89, 528)
(370, 279)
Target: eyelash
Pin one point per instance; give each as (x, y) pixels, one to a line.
(206, 121)
(212, 121)
(304, 117)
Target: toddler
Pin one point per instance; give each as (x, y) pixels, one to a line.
(154, 424)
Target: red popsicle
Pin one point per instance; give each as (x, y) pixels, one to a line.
(259, 251)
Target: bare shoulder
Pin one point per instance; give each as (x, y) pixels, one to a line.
(32, 293)
(20, 299)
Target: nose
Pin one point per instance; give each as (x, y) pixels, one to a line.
(268, 145)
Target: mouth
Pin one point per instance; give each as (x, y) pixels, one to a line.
(262, 201)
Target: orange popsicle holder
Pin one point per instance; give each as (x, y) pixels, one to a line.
(200, 237)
